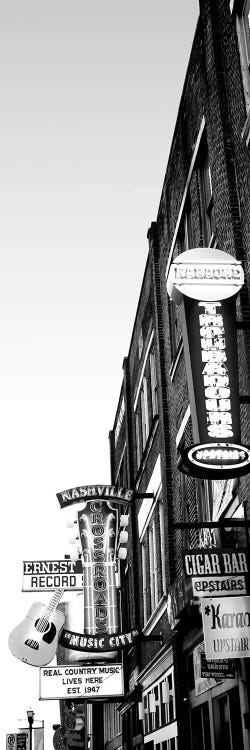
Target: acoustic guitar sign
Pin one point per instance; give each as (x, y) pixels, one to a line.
(35, 639)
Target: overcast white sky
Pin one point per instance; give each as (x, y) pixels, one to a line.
(89, 97)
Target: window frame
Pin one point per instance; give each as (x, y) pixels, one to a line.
(153, 560)
(244, 52)
(166, 713)
(145, 400)
(206, 196)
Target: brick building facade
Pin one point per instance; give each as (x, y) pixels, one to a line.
(205, 202)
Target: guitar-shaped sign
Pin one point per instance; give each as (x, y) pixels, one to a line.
(35, 639)
(97, 524)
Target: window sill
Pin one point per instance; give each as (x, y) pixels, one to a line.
(176, 360)
(146, 451)
(155, 616)
(245, 133)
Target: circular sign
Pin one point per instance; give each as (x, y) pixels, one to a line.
(204, 273)
(216, 460)
(58, 739)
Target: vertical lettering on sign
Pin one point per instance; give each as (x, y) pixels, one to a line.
(215, 371)
(98, 536)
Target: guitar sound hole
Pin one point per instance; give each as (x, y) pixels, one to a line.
(42, 625)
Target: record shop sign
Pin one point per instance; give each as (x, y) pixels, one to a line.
(204, 283)
(46, 575)
(217, 572)
(226, 627)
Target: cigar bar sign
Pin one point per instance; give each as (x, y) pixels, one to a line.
(220, 573)
(46, 575)
(204, 282)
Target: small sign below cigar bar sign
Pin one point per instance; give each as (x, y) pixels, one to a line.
(219, 670)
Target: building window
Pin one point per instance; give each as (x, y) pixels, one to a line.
(200, 727)
(153, 383)
(144, 412)
(246, 29)
(162, 546)
(151, 551)
(144, 584)
(243, 31)
(138, 439)
(119, 420)
(127, 597)
(153, 562)
(184, 241)
(140, 344)
(204, 499)
(175, 335)
(206, 195)
(146, 401)
(185, 234)
(159, 705)
(121, 477)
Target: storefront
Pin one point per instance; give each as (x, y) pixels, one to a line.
(218, 707)
(158, 707)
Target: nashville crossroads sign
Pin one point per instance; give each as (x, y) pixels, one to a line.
(94, 491)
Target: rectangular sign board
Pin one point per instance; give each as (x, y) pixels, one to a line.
(90, 682)
(201, 562)
(216, 571)
(226, 627)
(218, 586)
(16, 741)
(47, 575)
(220, 670)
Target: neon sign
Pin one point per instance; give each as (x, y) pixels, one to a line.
(229, 273)
(204, 283)
(204, 274)
(217, 460)
(215, 371)
(212, 350)
(104, 642)
(98, 535)
(98, 491)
